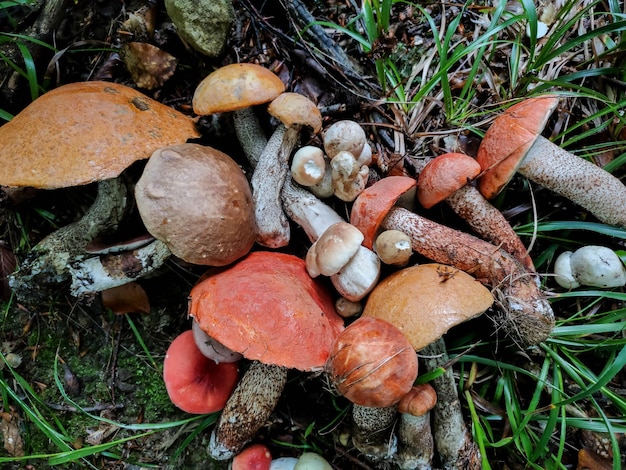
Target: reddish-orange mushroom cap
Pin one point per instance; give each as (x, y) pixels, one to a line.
(372, 205)
(269, 309)
(195, 383)
(254, 457)
(443, 176)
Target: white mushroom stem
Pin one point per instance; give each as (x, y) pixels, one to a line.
(415, 442)
(267, 181)
(249, 134)
(488, 222)
(47, 264)
(453, 441)
(359, 276)
(372, 432)
(577, 179)
(528, 316)
(99, 273)
(247, 409)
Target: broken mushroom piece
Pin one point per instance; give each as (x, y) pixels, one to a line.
(74, 135)
(195, 383)
(348, 177)
(202, 210)
(449, 177)
(592, 265)
(527, 315)
(269, 309)
(513, 143)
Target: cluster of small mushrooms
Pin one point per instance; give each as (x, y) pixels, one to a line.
(264, 312)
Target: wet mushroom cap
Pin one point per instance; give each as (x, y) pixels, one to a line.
(84, 132)
(197, 200)
(269, 309)
(425, 301)
(236, 86)
(195, 383)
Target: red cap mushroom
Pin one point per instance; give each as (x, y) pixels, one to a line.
(254, 457)
(514, 143)
(195, 383)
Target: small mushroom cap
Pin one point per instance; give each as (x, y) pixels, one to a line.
(85, 132)
(509, 138)
(294, 109)
(420, 400)
(195, 383)
(268, 308)
(372, 363)
(443, 176)
(236, 86)
(371, 206)
(597, 266)
(344, 135)
(332, 251)
(253, 457)
(393, 247)
(197, 200)
(563, 271)
(425, 301)
(308, 165)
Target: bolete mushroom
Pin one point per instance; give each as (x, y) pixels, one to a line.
(591, 265)
(269, 309)
(513, 143)
(449, 177)
(253, 457)
(527, 315)
(74, 135)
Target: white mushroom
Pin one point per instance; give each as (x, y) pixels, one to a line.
(592, 265)
(348, 176)
(333, 250)
(344, 135)
(308, 165)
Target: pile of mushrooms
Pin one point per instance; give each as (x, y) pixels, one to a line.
(258, 313)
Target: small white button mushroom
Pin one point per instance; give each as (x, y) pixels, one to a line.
(344, 135)
(283, 463)
(311, 461)
(598, 266)
(308, 165)
(563, 271)
(393, 247)
(334, 249)
(348, 177)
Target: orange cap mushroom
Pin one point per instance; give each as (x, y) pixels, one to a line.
(85, 132)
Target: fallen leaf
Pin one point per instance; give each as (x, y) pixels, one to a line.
(149, 66)
(10, 429)
(127, 298)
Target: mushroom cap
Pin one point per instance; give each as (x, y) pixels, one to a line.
(425, 301)
(344, 135)
(294, 109)
(597, 266)
(84, 132)
(371, 206)
(308, 165)
(195, 383)
(420, 400)
(443, 176)
(197, 200)
(372, 363)
(236, 86)
(333, 249)
(269, 309)
(253, 457)
(509, 138)
(393, 247)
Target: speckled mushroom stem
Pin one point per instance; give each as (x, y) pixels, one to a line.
(488, 222)
(249, 134)
(267, 181)
(372, 432)
(415, 442)
(96, 274)
(247, 409)
(453, 442)
(528, 316)
(577, 179)
(46, 266)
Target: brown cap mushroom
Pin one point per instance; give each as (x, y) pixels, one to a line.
(202, 208)
(85, 132)
(425, 301)
(513, 144)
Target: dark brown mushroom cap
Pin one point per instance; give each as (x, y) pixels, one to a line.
(85, 132)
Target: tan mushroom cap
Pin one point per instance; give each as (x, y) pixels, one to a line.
(85, 132)
(425, 301)
(236, 86)
(294, 109)
(509, 138)
(333, 249)
(443, 176)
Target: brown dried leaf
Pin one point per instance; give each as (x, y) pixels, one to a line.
(149, 66)
(10, 429)
(127, 298)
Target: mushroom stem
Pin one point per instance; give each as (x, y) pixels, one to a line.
(47, 263)
(96, 274)
(250, 134)
(372, 432)
(267, 181)
(529, 318)
(415, 442)
(488, 222)
(453, 441)
(577, 179)
(247, 409)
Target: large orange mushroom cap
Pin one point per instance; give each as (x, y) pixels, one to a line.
(236, 86)
(85, 132)
(509, 138)
(425, 301)
(269, 309)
